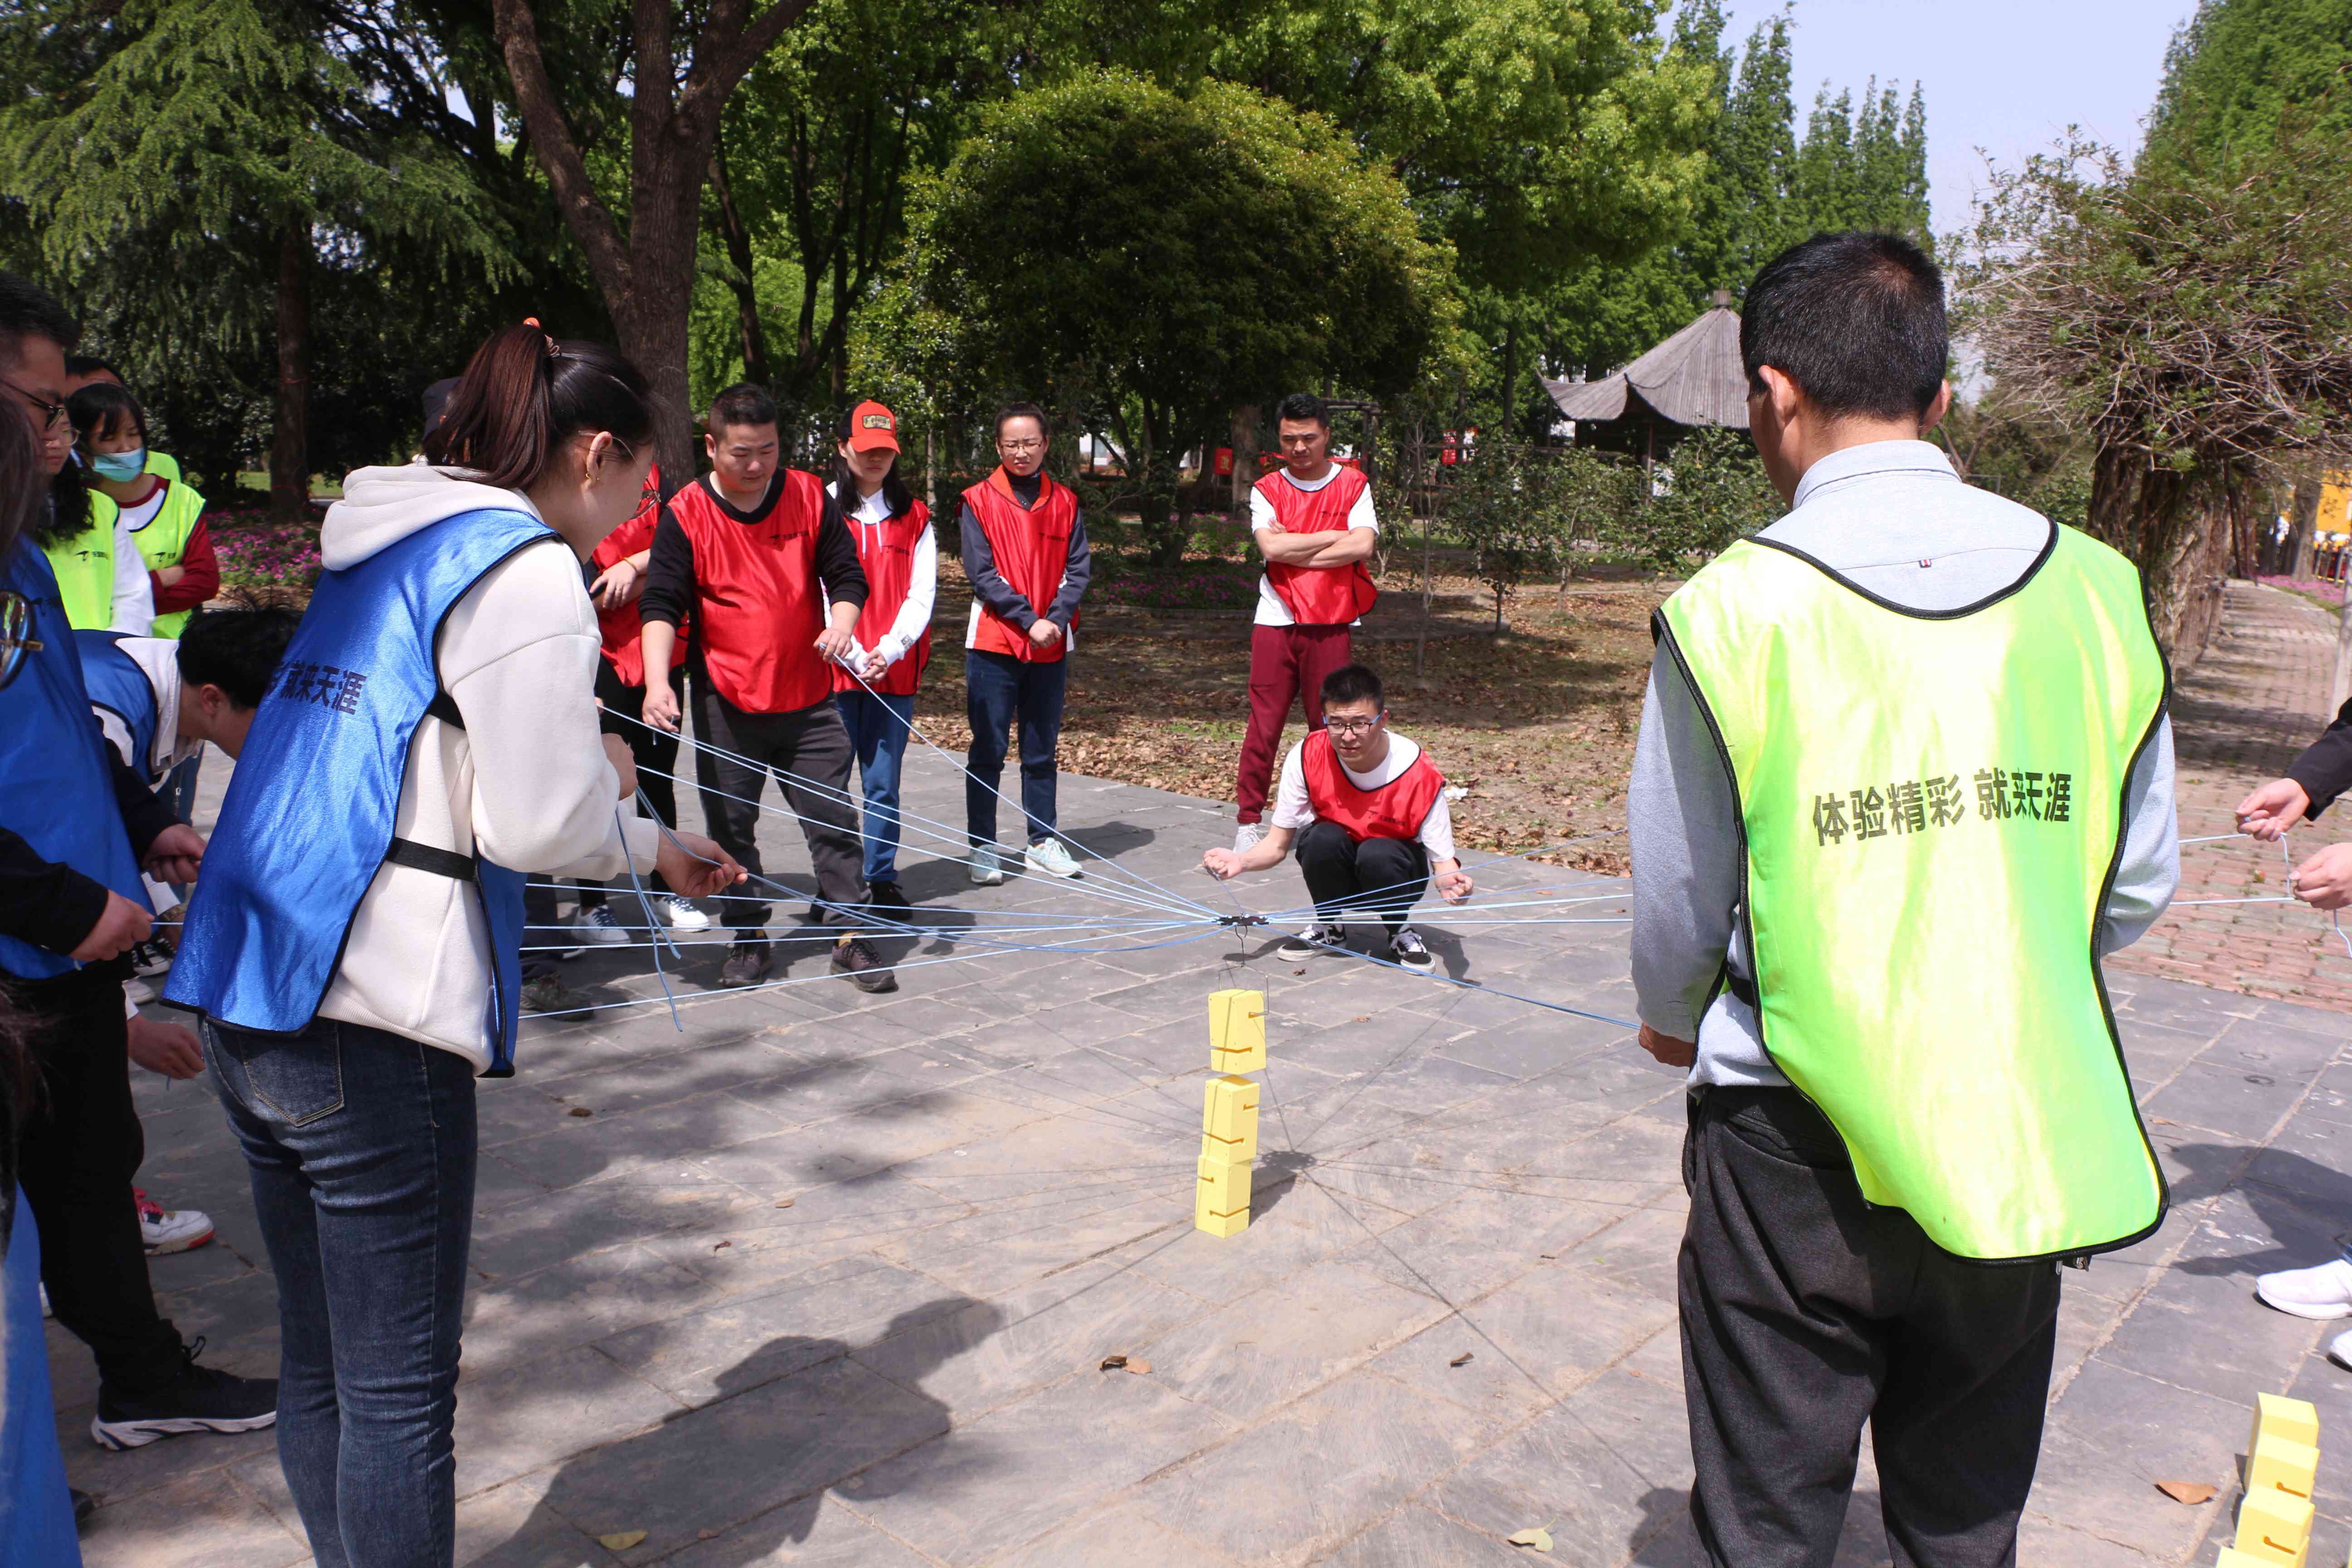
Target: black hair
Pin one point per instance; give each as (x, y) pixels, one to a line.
(68, 509)
(98, 409)
(1304, 405)
(745, 403)
(1352, 682)
(895, 493)
(1855, 319)
(21, 490)
(236, 651)
(1025, 411)
(29, 311)
(524, 394)
(82, 365)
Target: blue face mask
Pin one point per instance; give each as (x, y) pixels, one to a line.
(119, 466)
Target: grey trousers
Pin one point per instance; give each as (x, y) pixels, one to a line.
(1806, 1312)
(804, 747)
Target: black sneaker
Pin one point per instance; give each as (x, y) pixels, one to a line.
(198, 1400)
(748, 961)
(855, 957)
(1406, 951)
(888, 898)
(1315, 942)
(152, 957)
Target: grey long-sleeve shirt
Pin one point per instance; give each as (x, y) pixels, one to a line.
(1894, 518)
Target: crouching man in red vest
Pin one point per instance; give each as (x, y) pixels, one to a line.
(757, 559)
(1312, 519)
(1368, 809)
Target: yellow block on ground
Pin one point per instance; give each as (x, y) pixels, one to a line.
(2231, 1558)
(1229, 1118)
(2281, 1463)
(2275, 1528)
(1237, 1030)
(1219, 1224)
(2275, 1415)
(1225, 1188)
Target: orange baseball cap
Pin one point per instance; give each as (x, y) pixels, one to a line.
(871, 426)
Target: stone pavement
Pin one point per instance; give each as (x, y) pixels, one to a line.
(826, 1278)
(2257, 697)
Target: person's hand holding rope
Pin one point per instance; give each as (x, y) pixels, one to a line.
(694, 867)
(2270, 811)
(2324, 881)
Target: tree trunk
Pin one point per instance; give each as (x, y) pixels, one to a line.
(1510, 379)
(1244, 476)
(290, 441)
(739, 257)
(2302, 520)
(2148, 512)
(650, 311)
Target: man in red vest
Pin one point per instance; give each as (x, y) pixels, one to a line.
(1368, 809)
(1024, 544)
(757, 558)
(1312, 518)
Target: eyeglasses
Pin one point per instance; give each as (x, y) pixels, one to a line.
(53, 414)
(1354, 726)
(1017, 448)
(16, 637)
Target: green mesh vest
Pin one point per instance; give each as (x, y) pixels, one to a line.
(164, 540)
(1931, 806)
(84, 565)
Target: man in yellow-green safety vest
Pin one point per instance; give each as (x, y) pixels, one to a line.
(1904, 777)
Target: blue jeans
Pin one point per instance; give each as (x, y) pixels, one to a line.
(361, 1150)
(998, 687)
(878, 722)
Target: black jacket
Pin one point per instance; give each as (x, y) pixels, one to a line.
(2324, 769)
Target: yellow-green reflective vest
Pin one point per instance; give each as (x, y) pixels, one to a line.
(163, 466)
(85, 568)
(165, 539)
(1931, 806)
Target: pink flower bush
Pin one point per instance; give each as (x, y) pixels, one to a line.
(256, 554)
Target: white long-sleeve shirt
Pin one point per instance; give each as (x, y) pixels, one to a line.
(922, 585)
(525, 781)
(134, 610)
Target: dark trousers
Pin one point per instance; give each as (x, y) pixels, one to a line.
(78, 1150)
(808, 751)
(999, 688)
(656, 752)
(361, 1149)
(1804, 1312)
(1286, 664)
(1386, 874)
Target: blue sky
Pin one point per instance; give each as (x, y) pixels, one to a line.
(2007, 76)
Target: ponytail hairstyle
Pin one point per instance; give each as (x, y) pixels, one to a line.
(846, 487)
(524, 394)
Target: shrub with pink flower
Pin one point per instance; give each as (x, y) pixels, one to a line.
(257, 554)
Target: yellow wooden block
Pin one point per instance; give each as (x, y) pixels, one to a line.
(1229, 1118)
(2279, 1464)
(2275, 1528)
(1219, 1224)
(2231, 1558)
(2296, 1420)
(1237, 1030)
(1225, 1187)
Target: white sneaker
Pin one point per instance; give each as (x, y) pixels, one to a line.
(597, 928)
(2321, 1292)
(1246, 837)
(138, 991)
(1049, 856)
(2339, 1348)
(681, 915)
(170, 1230)
(986, 869)
(46, 1312)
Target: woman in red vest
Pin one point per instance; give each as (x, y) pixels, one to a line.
(1368, 809)
(901, 558)
(1024, 544)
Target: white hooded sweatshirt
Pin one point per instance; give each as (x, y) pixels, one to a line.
(526, 781)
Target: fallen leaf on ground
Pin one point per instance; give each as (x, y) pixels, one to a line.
(582, 1111)
(620, 1540)
(2190, 1492)
(722, 1247)
(1462, 1360)
(1538, 1539)
(784, 1203)
(1112, 1363)
(1298, 972)
(1362, 1019)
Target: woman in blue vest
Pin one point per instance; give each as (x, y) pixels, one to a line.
(356, 961)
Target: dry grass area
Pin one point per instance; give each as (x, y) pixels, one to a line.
(1537, 724)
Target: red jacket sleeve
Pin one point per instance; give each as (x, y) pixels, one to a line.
(199, 579)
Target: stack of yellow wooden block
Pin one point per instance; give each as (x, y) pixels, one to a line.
(2282, 1460)
(1229, 1118)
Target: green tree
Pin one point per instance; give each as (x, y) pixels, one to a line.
(192, 165)
(1144, 261)
(2241, 71)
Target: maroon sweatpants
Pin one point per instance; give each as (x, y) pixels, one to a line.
(1285, 663)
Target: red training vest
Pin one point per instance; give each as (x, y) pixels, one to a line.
(620, 625)
(1032, 546)
(1395, 810)
(757, 596)
(1318, 596)
(887, 551)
